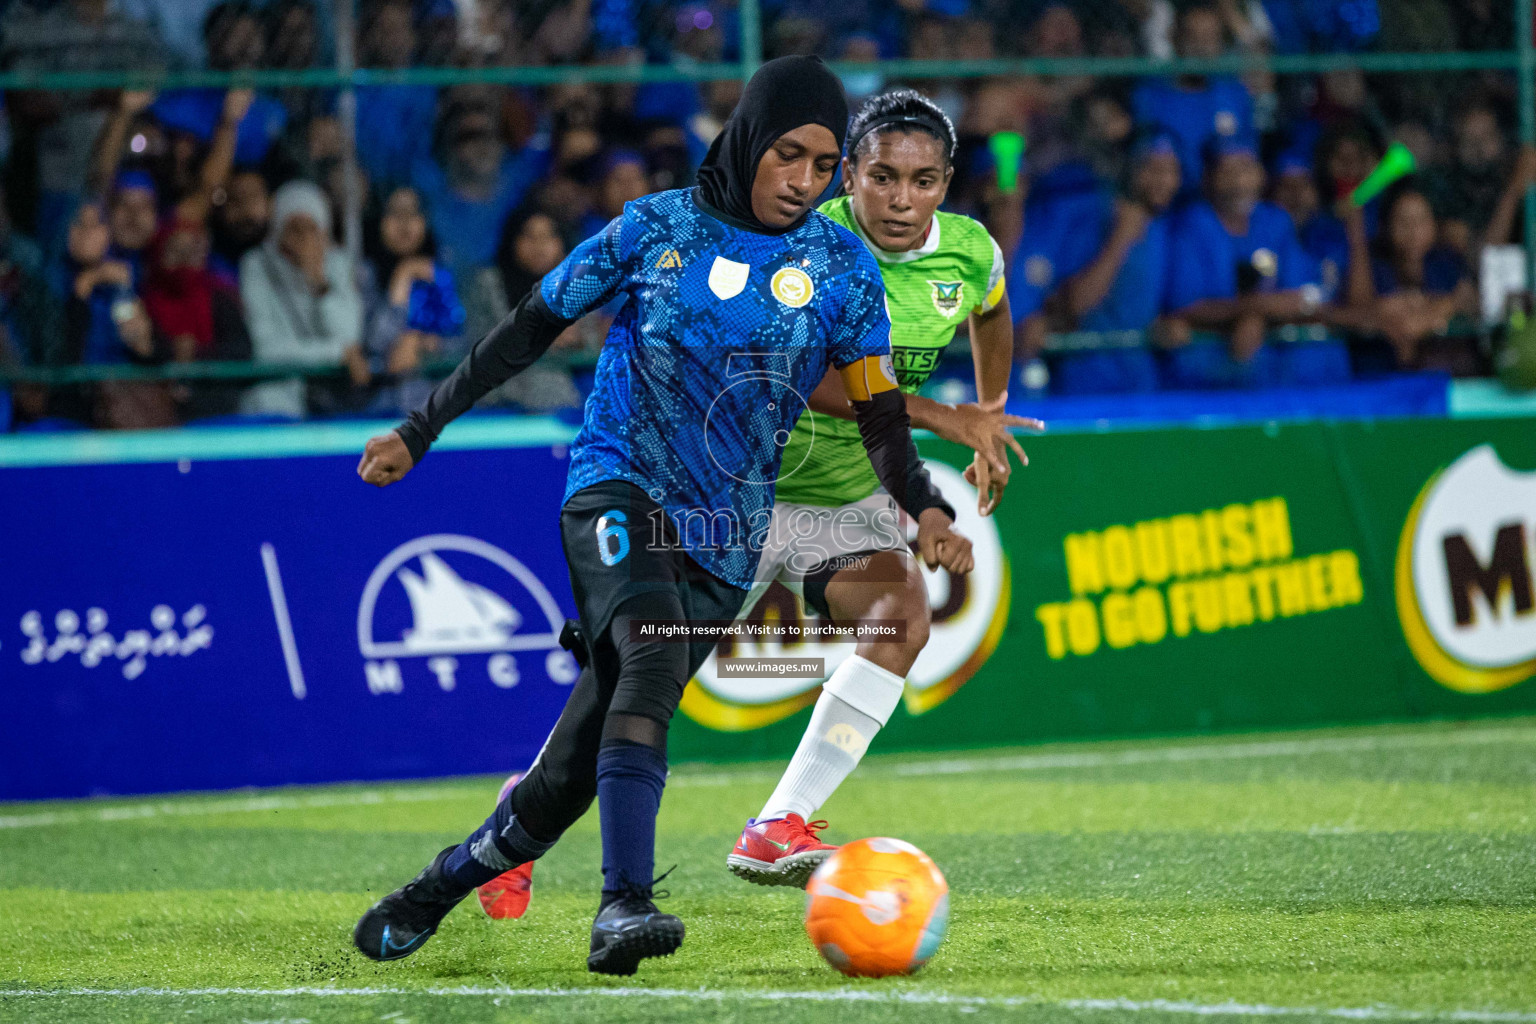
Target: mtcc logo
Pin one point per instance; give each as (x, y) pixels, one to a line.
(447, 596)
(1463, 574)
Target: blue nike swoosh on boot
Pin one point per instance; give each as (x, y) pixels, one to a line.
(386, 947)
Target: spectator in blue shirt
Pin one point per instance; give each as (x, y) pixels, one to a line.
(1344, 157)
(1322, 26)
(412, 312)
(621, 178)
(79, 36)
(105, 320)
(1195, 109)
(1045, 256)
(394, 122)
(235, 39)
(469, 193)
(293, 44)
(133, 216)
(1335, 239)
(1121, 286)
(1419, 285)
(1239, 269)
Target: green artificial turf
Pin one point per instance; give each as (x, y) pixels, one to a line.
(1385, 873)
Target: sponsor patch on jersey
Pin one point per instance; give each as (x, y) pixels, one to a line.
(670, 260)
(727, 277)
(947, 296)
(914, 365)
(792, 286)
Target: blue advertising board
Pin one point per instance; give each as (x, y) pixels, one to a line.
(205, 610)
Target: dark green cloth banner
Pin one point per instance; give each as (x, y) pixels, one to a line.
(1201, 580)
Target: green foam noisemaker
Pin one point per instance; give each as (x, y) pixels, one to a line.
(1395, 164)
(1008, 153)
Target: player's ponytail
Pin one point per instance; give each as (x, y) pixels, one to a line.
(901, 110)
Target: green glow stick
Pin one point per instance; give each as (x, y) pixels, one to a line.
(1008, 153)
(1395, 164)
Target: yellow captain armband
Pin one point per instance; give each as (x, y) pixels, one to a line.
(994, 296)
(867, 377)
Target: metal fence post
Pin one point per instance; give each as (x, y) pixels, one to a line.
(752, 37)
(346, 110)
(1527, 54)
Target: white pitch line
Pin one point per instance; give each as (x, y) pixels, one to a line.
(1161, 755)
(1163, 1006)
(1217, 752)
(167, 809)
(947, 766)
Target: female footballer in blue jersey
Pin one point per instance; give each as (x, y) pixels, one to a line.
(738, 299)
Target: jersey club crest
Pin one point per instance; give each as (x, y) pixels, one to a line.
(792, 286)
(727, 277)
(947, 296)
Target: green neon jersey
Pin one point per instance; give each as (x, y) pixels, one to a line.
(929, 291)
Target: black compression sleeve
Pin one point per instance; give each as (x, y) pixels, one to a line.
(886, 432)
(510, 348)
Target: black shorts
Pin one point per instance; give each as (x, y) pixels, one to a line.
(814, 586)
(619, 543)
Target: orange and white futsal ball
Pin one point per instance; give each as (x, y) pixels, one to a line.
(877, 907)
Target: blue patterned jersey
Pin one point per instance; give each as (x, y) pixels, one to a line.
(723, 335)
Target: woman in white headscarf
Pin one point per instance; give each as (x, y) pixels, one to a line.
(301, 300)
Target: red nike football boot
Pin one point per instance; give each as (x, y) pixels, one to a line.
(506, 896)
(780, 851)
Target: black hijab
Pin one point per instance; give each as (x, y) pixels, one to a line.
(783, 95)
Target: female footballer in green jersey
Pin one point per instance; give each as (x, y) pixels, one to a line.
(836, 538)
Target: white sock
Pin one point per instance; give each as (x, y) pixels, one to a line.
(835, 740)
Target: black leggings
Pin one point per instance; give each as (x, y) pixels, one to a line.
(629, 692)
(631, 685)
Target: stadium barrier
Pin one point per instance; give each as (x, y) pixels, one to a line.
(1169, 581)
(224, 370)
(229, 607)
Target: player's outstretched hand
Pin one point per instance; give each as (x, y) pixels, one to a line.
(983, 428)
(385, 460)
(939, 544)
(989, 485)
(986, 425)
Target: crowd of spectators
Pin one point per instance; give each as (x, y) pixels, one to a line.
(1184, 218)
(1195, 216)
